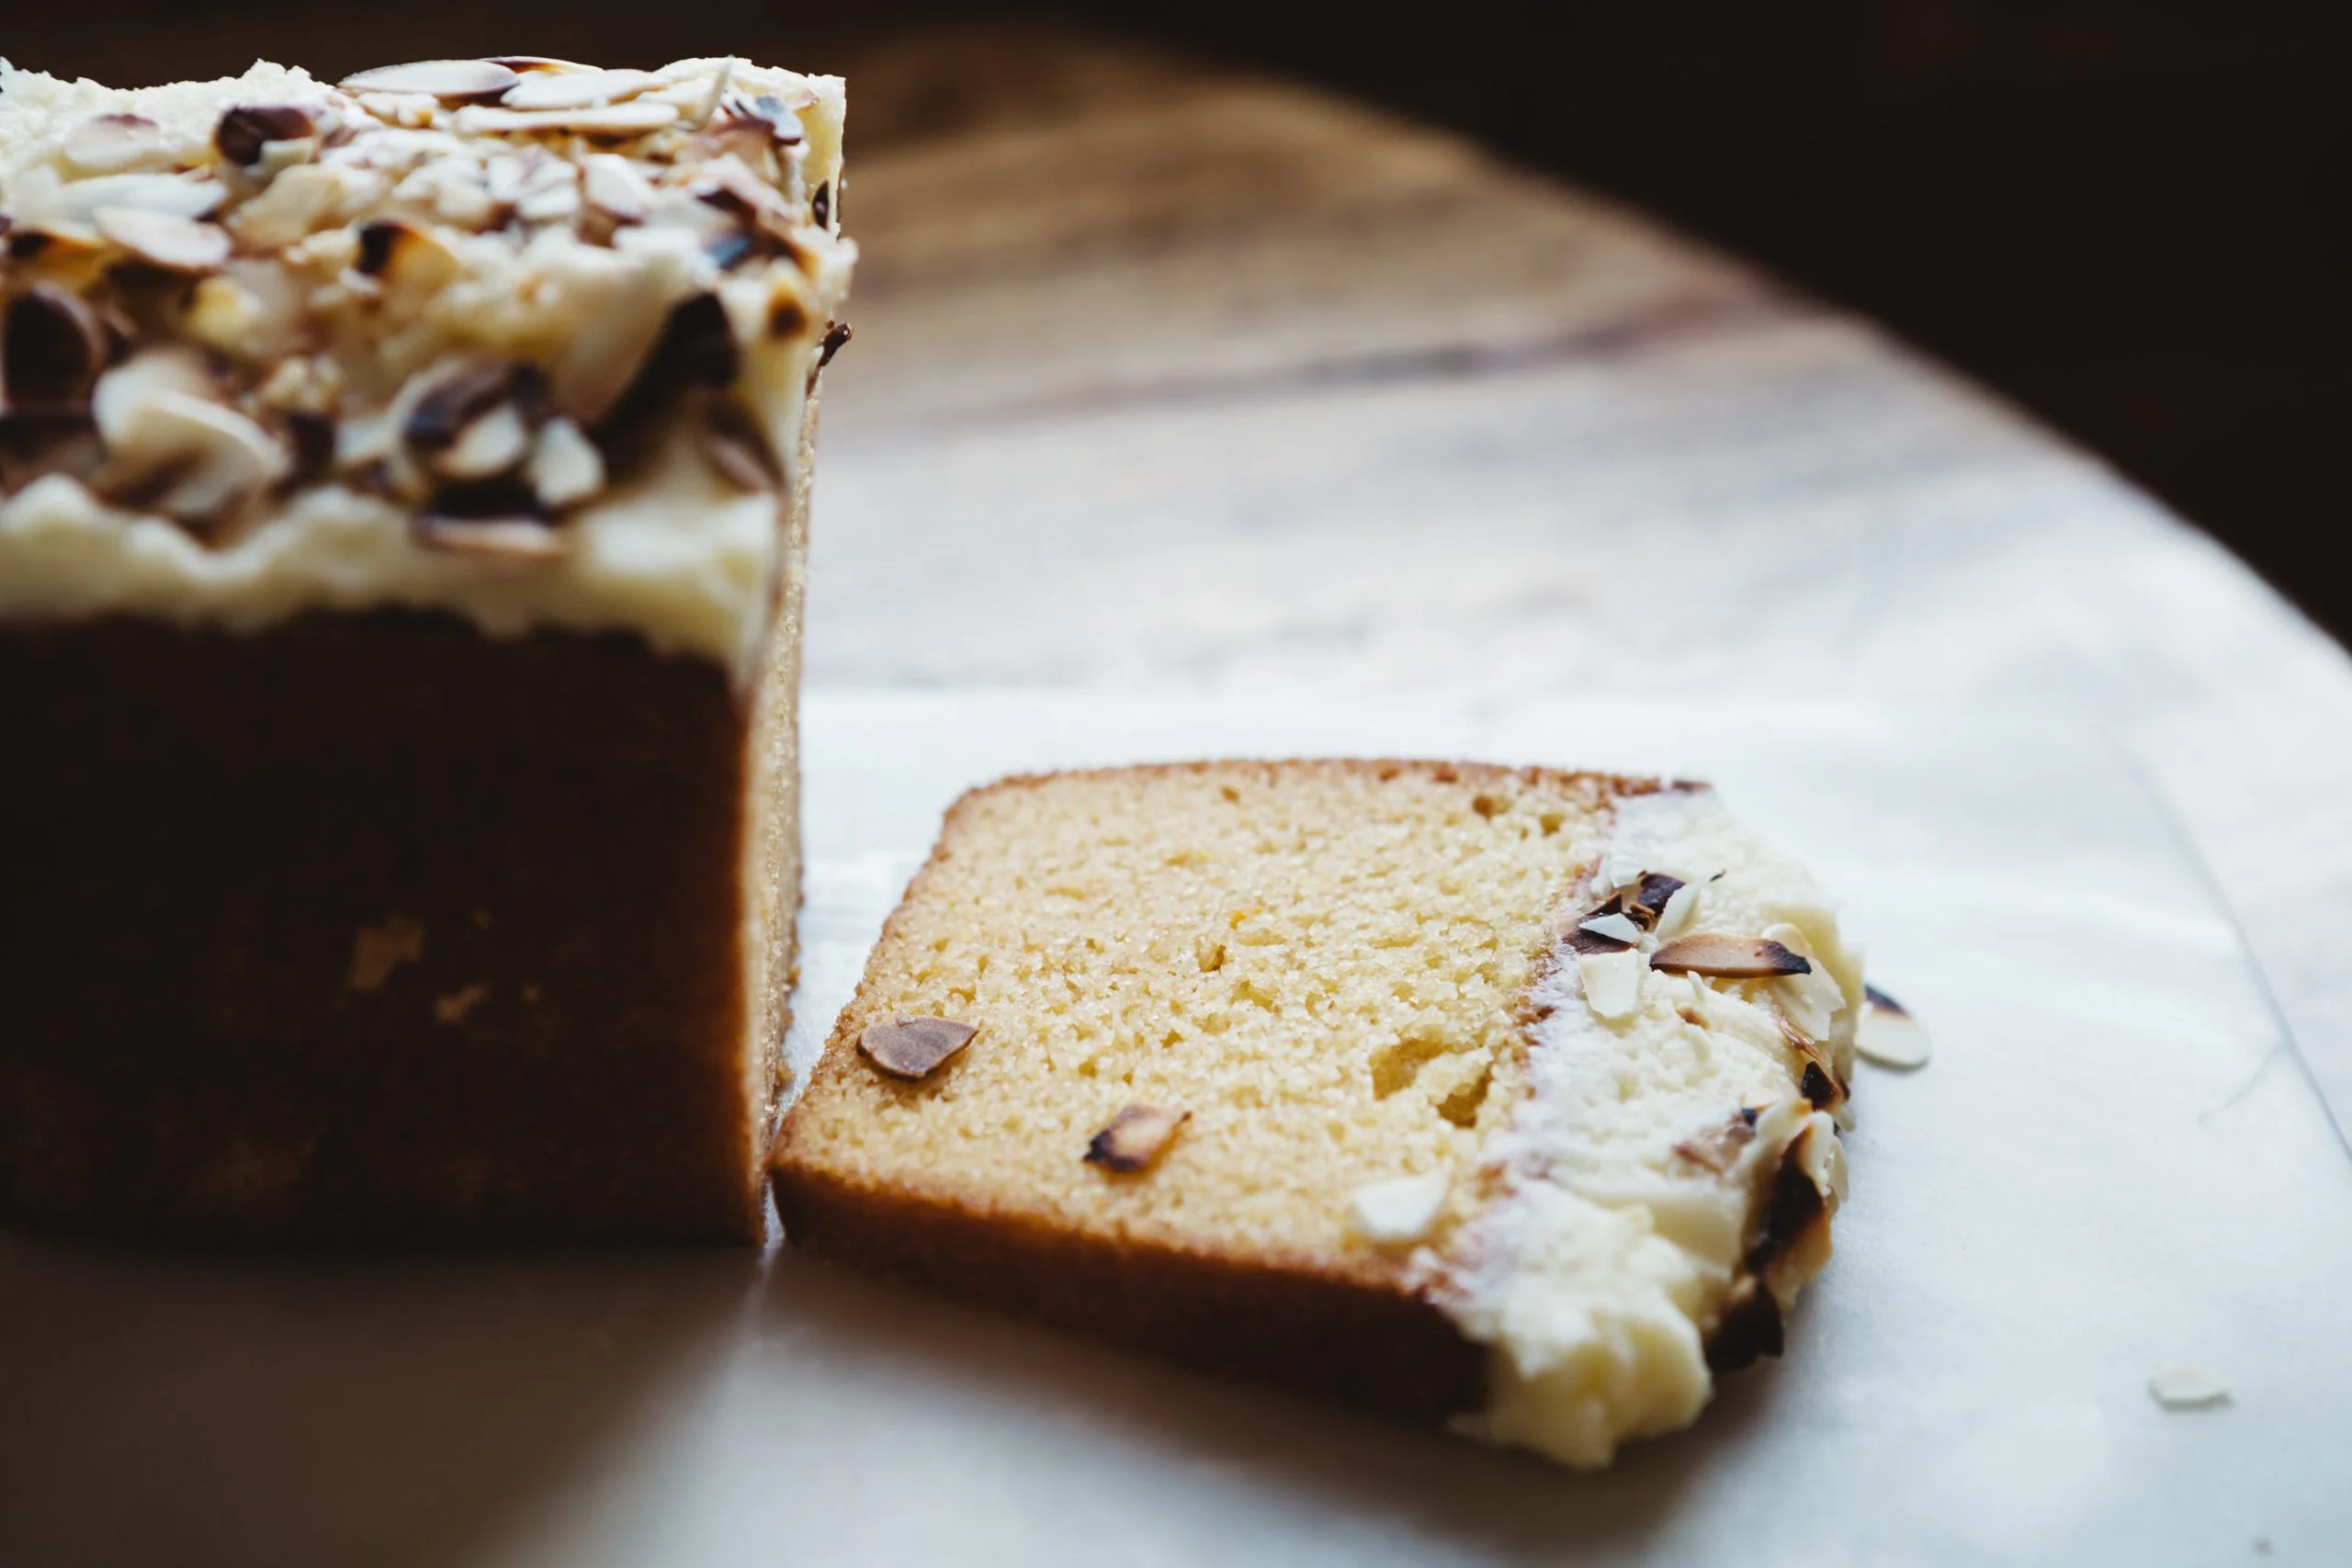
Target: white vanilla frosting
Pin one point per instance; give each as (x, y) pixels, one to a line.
(1631, 1181)
(416, 341)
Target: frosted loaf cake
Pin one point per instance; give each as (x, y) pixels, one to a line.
(403, 504)
(1507, 1099)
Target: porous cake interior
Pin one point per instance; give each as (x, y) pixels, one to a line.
(1326, 965)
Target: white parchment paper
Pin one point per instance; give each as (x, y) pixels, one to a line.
(2115, 1161)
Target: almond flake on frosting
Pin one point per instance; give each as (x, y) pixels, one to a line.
(451, 80)
(1613, 982)
(1616, 927)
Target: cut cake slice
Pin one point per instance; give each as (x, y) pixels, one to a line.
(1502, 1098)
(402, 516)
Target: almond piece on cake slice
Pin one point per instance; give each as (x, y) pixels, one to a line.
(1368, 1134)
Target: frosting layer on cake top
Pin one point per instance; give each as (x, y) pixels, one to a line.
(521, 339)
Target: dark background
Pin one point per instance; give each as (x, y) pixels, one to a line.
(2129, 218)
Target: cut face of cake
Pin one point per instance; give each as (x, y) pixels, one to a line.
(1502, 1098)
(402, 514)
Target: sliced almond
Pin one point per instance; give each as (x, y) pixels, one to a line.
(913, 1047)
(506, 538)
(105, 142)
(1676, 918)
(595, 371)
(1398, 1212)
(1718, 1148)
(1725, 957)
(1616, 927)
(189, 458)
(489, 445)
(605, 119)
(566, 469)
(1645, 902)
(615, 188)
(729, 184)
(176, 195)
(696, 348)
(452, 81)
(548, 204)
(576, 89)
(1583, 938)
(120, 393)
(2177, 1386)
(165, 239)
(247, 128)
(294, 204)
(450, 399)
(253, 310)
(771, 115)
(406, 256)
(1888, 1035)
(53, 346)
(1613, 982)
(1135, 1138)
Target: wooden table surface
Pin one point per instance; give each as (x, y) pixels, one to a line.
(1171, 376)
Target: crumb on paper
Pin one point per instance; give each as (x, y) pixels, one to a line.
(454, 1007)
(379, 949)
(2178, 1386)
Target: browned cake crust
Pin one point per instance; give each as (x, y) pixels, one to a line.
(1357, 1334)
(367, 927)
(1376, 1346)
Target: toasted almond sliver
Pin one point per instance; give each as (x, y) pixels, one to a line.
(451, 80)
(506, 538)
(1135, 1138)
(105, 142)
(1645, 902)
(913, 1047)
(1726, 957)
(176, 243)
(1888, 1035)
(247, 132)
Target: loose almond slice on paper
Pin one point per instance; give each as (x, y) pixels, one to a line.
(1888, 1035)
